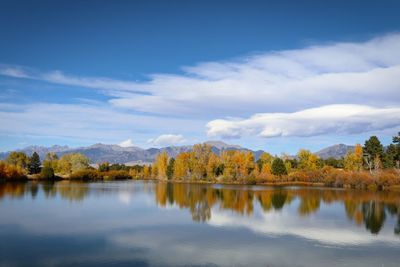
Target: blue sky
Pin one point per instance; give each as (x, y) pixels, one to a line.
(273, 75)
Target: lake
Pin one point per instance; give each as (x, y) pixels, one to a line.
(137, 223)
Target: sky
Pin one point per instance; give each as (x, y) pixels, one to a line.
(271, 75)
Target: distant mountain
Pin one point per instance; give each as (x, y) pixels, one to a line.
(336, 151)
(98, 153)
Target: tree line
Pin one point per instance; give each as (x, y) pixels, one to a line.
(369, 166)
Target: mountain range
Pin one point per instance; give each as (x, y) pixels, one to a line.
(98, 153)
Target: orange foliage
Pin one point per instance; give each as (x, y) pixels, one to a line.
(11, 172)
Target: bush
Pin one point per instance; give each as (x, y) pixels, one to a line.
(86, 175)
(11, 172)
(388, 178)
(47, 172)
(117, 175)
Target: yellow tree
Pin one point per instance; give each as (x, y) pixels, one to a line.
(160, 166)
(212, 166)
(199, 159)
(73, 162)
(146, 172)
(265, 159)
(249, 162)
(181, 166)
(353, 160)
(229, 166)
(307, 160)
(358, 152)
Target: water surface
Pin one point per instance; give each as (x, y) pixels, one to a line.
(163, 224)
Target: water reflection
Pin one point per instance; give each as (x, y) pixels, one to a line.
(363, 208)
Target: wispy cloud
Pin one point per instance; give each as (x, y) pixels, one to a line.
(86, 122)
(278, 81)
(58, 77)
(167, 139)
(356, 82)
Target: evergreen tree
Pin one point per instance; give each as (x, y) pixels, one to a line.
(373, 152)
(373, 147)
(34, 163)
(389, 157)
(278, 167)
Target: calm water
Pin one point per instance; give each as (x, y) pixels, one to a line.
(158, 224)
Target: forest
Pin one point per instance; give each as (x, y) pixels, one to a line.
(371, 166)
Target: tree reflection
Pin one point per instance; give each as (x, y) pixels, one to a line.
(308, 205)
(369, 209)
(374, 216)
(278, 199)
(49, 189)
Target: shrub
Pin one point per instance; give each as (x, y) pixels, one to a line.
(388, 178)
(86, 175)
(47, 172)
(11, 172)
(117, 175)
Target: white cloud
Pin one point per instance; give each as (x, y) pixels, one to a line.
(126, 143)
(279, 81)
(337, 119)
(283, 81)
(15, 72)
(167, 139)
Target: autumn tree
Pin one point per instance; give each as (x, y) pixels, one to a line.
(265, 158)
(249, 164)
(159, 170)
(353, 160)
(18, 159)
(170, 168)
(199, 158)
(146, 172)
(229, 166)
(181, 166)
(52, 159)
(213, 166)
(307, 160)
(264, 165)
(72, 162)
(11, 171)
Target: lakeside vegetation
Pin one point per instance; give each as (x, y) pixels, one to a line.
(367, 167)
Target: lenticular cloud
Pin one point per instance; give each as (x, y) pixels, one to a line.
(340, 119)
